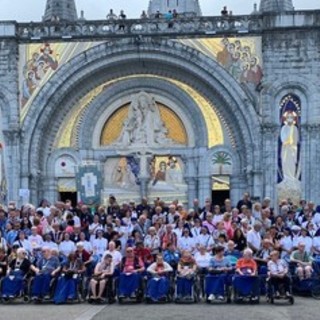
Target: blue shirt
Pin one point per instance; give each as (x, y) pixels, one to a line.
(170, 257)
(217, 264)
(48, 265)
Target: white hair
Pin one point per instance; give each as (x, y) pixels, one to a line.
(247, 251)
(21, 250)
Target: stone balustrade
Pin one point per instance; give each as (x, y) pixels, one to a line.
(183, 27)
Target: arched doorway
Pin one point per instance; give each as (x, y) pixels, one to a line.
(167, 60)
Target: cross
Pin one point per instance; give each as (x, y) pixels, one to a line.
(89, 181)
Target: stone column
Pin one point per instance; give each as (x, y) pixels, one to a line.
(144, 181)
(50, 189)
(192, 189)
(236, 188)
(204, 188)
(305, 159)
(270, 136)
(12, 152)
(190, 176)
(312, 191)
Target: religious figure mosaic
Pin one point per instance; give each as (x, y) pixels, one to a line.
(289, 169)
(144, 126)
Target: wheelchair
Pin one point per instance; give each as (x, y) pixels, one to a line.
(193, 296)
(306, 287)
(246, 289)
(22, 296)
(225, 278)
(109, 293)
(272, 297)
(61, 286)
(43, 299)
(164, 299)
(135, 297)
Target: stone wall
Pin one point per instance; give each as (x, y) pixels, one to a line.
(9, 103)
(292, 65)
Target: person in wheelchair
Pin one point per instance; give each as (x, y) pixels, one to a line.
(159, 284)
(46, 268)
(263, 255)
(232, 253)
(278, 273)
(303, 261)
(102, 277)
(216, 280)
(12, 284)
(186, 273)
(130, 278)
(246, 283)
(68, 282)
(171, 256)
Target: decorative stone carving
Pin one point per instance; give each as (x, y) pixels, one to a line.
(143, 126)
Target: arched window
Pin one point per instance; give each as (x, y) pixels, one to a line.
(289, 163)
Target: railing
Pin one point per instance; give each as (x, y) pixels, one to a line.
(183, 27)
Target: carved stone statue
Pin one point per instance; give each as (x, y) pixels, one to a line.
(144, 126)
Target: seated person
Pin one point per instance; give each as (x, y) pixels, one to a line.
(46, 268)
(303, 261)
(158, 285)
(12, 284)
(116, 255)
(83, 255)
(143, 253)
(187, 268)
(102, 276)
(202, 258)
(246, 281)
(171, 256)
(263, 255)
(219, 265)
(67, 285)
(130, 278)
(278, 273)
(231, 253)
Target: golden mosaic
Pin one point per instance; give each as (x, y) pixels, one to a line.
(113, 127)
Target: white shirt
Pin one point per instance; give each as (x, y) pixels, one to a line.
(316, 219)
(316, 243)
(116, 256)
(286, 243)
(196, 231)
(295, 240)
(254, 238)
(217, 218)
(25, 244)
(94, 227)
(152, 243)
(46, 211)
(77, 222)
(203, 261)
(186, 243)
(178, 232)
(277, 267)
(67, 247)
(36, 241)
(205, 240)
(87, 246)
(100, 245)
(50, 244)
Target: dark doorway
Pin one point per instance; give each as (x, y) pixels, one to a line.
(69, 196)
(218, 196)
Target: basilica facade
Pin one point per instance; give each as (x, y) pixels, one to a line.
(175, 107)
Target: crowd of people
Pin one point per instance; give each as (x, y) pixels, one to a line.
(128, 241)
